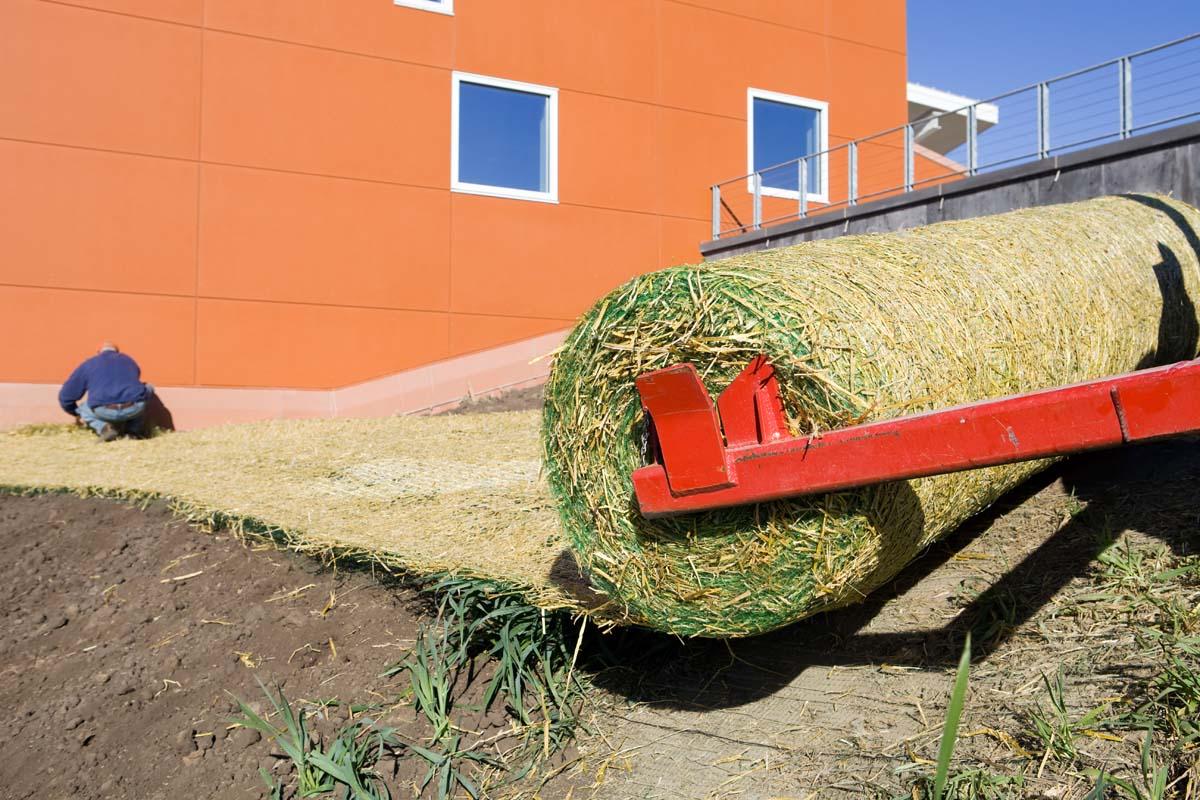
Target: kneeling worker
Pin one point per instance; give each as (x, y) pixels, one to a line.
(116, 396)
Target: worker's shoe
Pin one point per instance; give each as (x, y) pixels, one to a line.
(108, 433)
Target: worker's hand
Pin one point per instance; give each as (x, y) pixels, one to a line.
(78, 421)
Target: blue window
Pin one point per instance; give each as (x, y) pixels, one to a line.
(782, 129)
(504, 138)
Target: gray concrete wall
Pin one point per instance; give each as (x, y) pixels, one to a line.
(1164, 161)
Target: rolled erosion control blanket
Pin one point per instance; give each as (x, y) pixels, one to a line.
(859, 328)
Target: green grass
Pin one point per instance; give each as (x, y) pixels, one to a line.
(433, 670)
(531, 656)
(969, 784)
(347, 764)
(446, 761)
(1055, 727)
(481, 629)
(1151, 786)
(953, 714)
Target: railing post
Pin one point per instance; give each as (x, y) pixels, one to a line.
(908, 158)
(757, 221)
(1043, 120)
(852, 189)
(1125, 88)
(972, 143)
(802, 185)
(716, 211)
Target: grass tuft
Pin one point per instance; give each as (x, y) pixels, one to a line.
(347, 764)
(530, 654)
(953, 714)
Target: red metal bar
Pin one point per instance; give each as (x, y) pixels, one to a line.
(686, 427)
(1149, 404)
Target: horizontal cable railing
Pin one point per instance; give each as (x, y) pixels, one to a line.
(1080, 109)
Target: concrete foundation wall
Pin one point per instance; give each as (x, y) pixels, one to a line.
(1164, 161)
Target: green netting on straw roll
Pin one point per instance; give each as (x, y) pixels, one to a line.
(859, 328)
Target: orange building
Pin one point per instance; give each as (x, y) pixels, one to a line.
(309, 194)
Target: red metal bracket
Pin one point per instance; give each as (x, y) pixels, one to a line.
(746, 455)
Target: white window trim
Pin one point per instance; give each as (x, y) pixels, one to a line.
(551, 95)
(819, 106)
(443, 7)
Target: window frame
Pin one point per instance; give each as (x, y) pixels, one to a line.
(822, 109)
(551, 95)
(436, 6)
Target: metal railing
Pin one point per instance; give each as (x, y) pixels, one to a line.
(1090, 106)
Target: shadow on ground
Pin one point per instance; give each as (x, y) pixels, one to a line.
(1150, 488)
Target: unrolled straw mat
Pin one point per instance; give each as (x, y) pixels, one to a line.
(859, 328)
(452, 494)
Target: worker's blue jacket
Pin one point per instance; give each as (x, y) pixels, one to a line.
(107, 378)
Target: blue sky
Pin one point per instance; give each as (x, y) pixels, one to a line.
(984, 47)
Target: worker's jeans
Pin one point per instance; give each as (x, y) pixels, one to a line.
(132, 417)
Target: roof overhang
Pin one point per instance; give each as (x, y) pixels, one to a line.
(939, 118)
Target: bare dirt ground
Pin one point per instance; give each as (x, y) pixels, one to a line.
(127, 635)
(527, 399)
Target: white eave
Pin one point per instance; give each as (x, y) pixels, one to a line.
(940, 118)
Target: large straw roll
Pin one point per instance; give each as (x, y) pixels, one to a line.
(859, 328)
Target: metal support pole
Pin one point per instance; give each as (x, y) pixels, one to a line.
(1125, 88)
(852, 189)
(972, 143)
(757, 221)
(802, 185)
(908, 158)
(716, 211)
(1043, 120)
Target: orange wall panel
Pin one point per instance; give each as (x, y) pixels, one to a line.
(694, 151)
(372, 28)
(57, 329)
(539, 260)
(323, 112)
(310, 239)
(606, 48)
(279, 190)
(881, 164)
(246, 343)
(680, 240)
(807, 16)
(84, 77)
(710, 59)
(187, 12)
(878, 23)
(930, 168)
(87, 219)
(863, 104)
(470, 333)
(608, 151)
